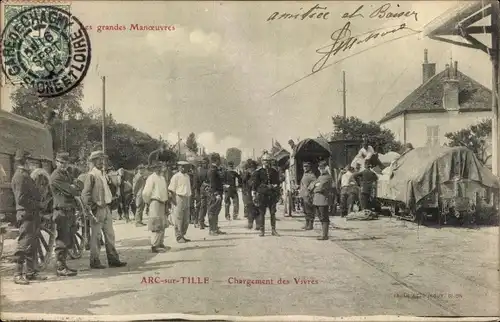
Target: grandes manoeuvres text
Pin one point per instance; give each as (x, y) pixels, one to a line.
(342, 38)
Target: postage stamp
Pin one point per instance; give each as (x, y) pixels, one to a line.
(45, 48)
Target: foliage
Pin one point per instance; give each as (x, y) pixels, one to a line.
(191, 143)
(233, 155)
(81, 133)
(352, 128)
(476, 137)
(26, 102)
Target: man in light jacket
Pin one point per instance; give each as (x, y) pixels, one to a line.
(96, 195)
(155, 194)
(180, 188)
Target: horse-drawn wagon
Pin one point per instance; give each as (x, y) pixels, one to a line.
(442, 183)
(19, 132)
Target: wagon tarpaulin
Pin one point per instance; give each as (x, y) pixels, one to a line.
(419, 172)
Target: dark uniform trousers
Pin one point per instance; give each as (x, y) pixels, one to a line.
(266, 202)
(251, 211)
(231, 194)
(347, 198)
(364, 200)
(27, 242)
(202, 203)
(193, 215)
(323, 214)
(214, 208)
(66, 226)
(308, 209)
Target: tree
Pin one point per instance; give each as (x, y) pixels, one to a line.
(191, 143)
(27, 103)
(352, 128)
(476, 137)
(233, 155)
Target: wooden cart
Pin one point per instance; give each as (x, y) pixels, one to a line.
(19, 132)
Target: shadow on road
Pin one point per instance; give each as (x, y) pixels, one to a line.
(355, 239)
(183, 249)
(221, 239)
(134, 242)
(73, 305)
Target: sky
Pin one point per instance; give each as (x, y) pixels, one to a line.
(216, 73)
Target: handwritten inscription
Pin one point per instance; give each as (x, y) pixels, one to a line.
(343, 41)
(315, 12)
(382, 12)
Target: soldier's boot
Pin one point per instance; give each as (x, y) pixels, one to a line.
(62, 270)
(211, 227)
(273, 227)
(324, 231)
(311, 225)
(262, 225)
(305, 225)
(250, 223)
(19, 277)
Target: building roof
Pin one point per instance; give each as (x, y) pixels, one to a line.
(21, 133)
(428, 97)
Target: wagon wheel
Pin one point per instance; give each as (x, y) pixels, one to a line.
(1, 242)
(45, 244)
(79, 239)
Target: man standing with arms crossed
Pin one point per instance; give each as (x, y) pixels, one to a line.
(180, 188)
(64, 193)
(96, 195)
(155, 195)
(28, 207)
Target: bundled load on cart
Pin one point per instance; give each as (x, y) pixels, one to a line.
(441, 183)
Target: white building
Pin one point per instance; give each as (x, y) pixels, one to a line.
(444, 102)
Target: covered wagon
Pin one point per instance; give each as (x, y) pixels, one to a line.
(440, 183)
(18, 132)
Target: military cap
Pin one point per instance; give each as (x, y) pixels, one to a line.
(205, 160)
(183, 163)
(230, 163)
(21, 155)
(62, 157)
(266, 157)
(155, 165)
(96, 154)
(214, 157)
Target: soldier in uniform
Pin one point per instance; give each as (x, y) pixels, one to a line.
(265, 193)
(216, 190)
(231, 191)
(251, 212)
(28, 205)
(201, 192)
(64, 193)
(306, 180)
(321, 190)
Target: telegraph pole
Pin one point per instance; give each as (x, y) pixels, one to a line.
(344, 96)
(495, 54)
(104, 114)
(178, 145)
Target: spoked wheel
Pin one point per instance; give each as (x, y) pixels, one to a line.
(46, 241)
(76, 251)
(1, 242)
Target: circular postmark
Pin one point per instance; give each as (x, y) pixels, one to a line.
(47, 49)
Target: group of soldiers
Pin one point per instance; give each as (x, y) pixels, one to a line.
(95, 195)
(182, 196)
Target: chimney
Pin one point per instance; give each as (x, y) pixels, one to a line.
(451, 88)
(428, 69)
